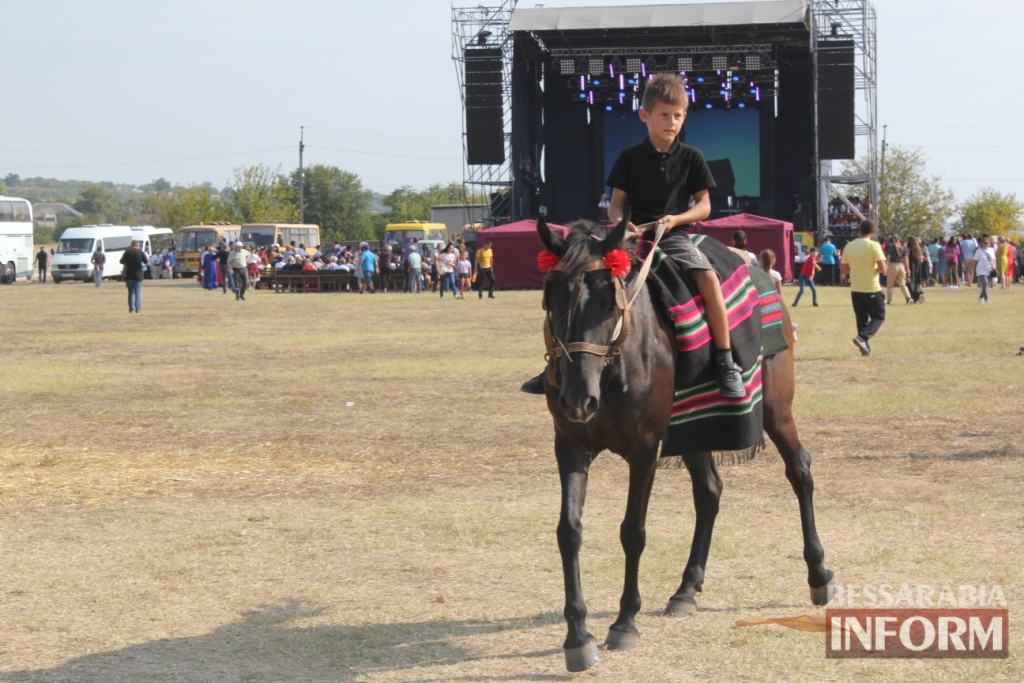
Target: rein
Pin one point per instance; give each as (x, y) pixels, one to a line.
(556, 349)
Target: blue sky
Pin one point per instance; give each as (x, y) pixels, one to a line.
(189, 90)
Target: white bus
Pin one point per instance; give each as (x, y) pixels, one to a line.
(153, 240)
(16, 244)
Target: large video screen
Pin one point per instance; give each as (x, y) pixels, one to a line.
(732, 135)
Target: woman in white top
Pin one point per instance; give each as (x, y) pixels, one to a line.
(985, 255)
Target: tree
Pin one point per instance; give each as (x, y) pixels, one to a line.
(11, 180)
(158, 185)
(911, 202)
(260, 195)
(186, 206)
(991, 212)
(336, 201)
(97, 203)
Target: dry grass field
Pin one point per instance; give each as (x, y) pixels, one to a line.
(332, 487)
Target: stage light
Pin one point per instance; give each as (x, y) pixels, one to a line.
(742, 105)
(700, 79)
(735, 79)
(583, 82)
(684, 63)
(719, 62)
(633, 64)
(567, 66)
(595, 82)
(631, 81)
(611, 69)
(707, 106)
(583, 95)
(753, 62)
(622, 82)
(595, 66)
(607, 107)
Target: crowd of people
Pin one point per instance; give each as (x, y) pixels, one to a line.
(843, 218)
(453, 269)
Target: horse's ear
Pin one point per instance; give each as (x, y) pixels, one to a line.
(551, 241)
(616, 236)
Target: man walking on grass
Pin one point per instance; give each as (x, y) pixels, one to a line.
(863, 262)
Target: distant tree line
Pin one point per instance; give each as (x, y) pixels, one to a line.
(334, 199)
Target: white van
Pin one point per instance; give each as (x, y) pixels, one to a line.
(153, 240)
(73, 258)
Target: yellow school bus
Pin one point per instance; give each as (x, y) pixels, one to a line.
(191, 241)
(400, 234)
(259, 235)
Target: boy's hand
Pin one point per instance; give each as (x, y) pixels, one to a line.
(633, 232)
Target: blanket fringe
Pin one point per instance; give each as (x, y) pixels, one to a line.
(722, 458)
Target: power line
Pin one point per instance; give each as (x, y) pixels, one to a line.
(151, 161)
(381, 135)
(382, 154)
(149, 144)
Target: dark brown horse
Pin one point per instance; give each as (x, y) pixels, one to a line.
(614, 390)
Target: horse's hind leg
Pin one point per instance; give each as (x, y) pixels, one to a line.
(573, 467)
(707, 491)
(778, 384)
(623, 634)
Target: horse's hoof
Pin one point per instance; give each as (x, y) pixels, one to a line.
(622, 640)
(581, 658)
(680, 607)
(823, 594)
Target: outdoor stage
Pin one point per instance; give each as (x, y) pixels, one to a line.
(772, 84)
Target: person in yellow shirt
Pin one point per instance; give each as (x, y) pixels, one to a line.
(485, 267)
(863, 262)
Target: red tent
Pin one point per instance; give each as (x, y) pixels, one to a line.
(516, 246)
(762, 233)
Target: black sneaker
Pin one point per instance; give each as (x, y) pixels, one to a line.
(728, 377)
(534, 385)
(862, 344)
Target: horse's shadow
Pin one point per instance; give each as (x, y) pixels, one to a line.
(267, 645)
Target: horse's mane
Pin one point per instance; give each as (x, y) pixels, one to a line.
(582, 246)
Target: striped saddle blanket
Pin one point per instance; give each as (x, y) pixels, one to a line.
(702, 420)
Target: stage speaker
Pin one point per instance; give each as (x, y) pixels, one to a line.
(485, 129)
(836, 100)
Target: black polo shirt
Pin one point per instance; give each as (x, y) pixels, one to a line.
(659, 183)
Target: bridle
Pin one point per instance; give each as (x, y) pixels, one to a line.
(557, 350)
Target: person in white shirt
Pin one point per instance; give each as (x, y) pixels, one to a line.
(985, 263)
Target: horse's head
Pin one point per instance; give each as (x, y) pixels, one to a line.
(585, 300)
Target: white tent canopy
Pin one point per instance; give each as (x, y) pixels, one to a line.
(652, 16)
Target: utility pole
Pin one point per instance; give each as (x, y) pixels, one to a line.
(302, 199)
(881, 180)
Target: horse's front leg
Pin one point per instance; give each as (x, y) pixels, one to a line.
(778, 422)
(707, 491)
(573, 466)
(623, 634)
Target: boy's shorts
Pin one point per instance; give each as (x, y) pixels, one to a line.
(678, 247)
(368, 277)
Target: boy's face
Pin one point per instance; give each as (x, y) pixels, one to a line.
(664, 121)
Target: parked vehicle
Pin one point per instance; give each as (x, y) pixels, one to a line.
(153, 239)
(282, 234)
(398, 235)
(17, 249)
(72, 259)
(193, 240)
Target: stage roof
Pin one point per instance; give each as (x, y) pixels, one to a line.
(659, 16)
